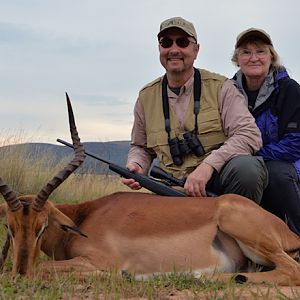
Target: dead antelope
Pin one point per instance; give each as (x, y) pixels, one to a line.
(146, 234)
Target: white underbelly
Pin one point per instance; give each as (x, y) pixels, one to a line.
(224, 265)
(191, 252)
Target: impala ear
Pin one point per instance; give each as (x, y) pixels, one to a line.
(63, 221)
(75, 229)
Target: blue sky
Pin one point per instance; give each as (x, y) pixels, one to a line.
(103, 52)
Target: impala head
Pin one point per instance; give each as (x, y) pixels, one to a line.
(27, 216)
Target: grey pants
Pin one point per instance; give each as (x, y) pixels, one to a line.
(282, 195)
(245, 175)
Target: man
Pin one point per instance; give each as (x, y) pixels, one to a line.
(195, 123)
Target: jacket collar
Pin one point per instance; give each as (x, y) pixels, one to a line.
(269, 85)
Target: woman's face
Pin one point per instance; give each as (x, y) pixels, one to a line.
(254, 60)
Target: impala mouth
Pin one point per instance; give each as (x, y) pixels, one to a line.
(23, 261)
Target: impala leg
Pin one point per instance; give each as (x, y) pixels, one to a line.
(277, 276)
(287, 271)
(76, 264)
(264, 239)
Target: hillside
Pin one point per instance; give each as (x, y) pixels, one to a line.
(115, 152)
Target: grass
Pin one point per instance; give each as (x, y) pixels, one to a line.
(113, 286)
(28, 177)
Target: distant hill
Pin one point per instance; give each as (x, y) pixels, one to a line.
(115, 152)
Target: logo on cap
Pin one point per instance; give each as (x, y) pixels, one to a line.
(180, 23)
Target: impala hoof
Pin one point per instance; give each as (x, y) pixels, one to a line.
(240, 279)
(125, 274)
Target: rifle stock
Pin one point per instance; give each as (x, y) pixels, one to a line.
(146, 182)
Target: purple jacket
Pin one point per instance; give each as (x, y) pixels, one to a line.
(277, 114)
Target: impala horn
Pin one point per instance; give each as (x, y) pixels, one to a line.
(10, 196)
(78, 159)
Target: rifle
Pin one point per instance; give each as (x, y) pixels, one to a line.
(169, 179)
(146, 182)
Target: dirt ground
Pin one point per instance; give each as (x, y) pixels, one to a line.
(238, 293)
(256, 292)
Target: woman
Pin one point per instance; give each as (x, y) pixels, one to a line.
(274, 100)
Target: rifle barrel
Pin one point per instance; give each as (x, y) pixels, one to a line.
(146, 182)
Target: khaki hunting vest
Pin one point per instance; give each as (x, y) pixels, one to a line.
(209, 122)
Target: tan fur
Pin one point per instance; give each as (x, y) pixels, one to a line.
(145, 234)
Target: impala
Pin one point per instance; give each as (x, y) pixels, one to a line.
(146, 234)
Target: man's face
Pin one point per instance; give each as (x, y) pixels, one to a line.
(177, 51)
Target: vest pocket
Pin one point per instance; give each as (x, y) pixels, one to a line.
(159, 142)
(209, 121)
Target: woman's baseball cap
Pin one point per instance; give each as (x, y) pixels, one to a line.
(252, 34)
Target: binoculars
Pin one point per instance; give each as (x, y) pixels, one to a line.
(181, 147)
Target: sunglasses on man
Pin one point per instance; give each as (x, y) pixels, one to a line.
(181, 42)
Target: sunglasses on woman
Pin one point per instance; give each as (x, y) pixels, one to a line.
(181, 42)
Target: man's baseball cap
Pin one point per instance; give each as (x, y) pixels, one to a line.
(180, 23)
(252, 34)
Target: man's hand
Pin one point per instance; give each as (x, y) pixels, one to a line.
(134, 185)
(195, 183)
